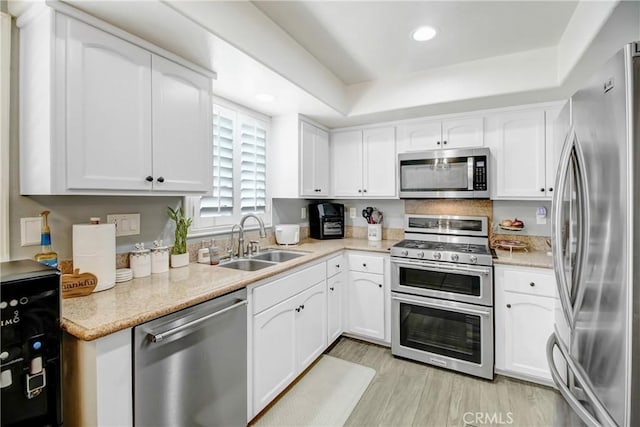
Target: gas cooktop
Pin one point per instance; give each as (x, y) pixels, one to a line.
(456, 243)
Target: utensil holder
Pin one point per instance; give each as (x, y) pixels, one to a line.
(374, 231)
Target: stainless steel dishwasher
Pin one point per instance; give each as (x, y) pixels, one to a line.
(191, 366)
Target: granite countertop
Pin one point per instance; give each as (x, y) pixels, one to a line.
(532, 258)
(131, 303)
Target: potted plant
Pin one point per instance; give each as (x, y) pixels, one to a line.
(179, 255)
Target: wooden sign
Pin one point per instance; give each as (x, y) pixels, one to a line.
(78, 285)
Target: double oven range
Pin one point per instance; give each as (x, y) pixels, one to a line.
(442, 294)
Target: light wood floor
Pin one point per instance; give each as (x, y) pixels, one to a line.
(406, 393)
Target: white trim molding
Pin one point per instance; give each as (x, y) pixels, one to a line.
(5, 72)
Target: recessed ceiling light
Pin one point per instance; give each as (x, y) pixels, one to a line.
(265, 97)
(423, 34)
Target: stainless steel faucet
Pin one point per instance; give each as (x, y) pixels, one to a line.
(263, 233)
(240, 231)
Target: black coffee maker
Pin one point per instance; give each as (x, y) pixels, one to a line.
(326, 220)
(31, 340)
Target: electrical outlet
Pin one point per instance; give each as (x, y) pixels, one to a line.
(126, 224)
(30, 231)
(303, 213)
(352, 213)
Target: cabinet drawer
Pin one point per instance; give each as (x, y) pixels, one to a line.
(335, 265)
(530, 282)
(366, 263)
(271, 293)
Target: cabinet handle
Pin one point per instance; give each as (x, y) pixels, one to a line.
(364, 191)
(298, 309)
(364, 265)
(160, 179)
(444, 142)
(330, 289)
(302, 307)
(149, 178)
(359, 191)
(542, 189)
(508, 305)
(337, 265)
(379, 285)
(550, 189)
(532, 284)
(437, 142)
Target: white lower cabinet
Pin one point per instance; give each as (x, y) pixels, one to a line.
(524, 310)
(366, 295)
(336, 287)
(366, 304)
(289, 335)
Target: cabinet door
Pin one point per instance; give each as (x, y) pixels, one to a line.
(557, 127)
(346, 149)
(274, 352)
(528, 325)
(379, 162)
(463, 133)
(182, 136)
(314, 167)
(335, 289)
(366, 304)
(321, 162)
(307, 160)
(519, 151)
(311, 325)
(108, 99)
(419, 136)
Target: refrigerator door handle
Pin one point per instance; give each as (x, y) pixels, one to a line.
(556, 229)
(603, 417)
(582, 188)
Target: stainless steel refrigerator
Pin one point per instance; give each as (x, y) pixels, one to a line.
(595, 224)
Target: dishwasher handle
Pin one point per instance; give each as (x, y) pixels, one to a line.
(159, 337)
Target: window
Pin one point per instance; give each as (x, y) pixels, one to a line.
(239, 172)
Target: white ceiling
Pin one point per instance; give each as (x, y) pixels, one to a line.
(361, 41)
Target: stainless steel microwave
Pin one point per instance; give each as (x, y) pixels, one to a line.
(437, 174)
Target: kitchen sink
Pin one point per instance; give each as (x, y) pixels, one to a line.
(247, 264)
(277, 256)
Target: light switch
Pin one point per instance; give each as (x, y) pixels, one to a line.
(126, 224)
(30, 231)
(352, 213)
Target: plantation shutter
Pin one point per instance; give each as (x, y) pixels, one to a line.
(221, 200)
(253, 175)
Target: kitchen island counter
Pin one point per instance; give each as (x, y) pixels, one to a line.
(131, 303)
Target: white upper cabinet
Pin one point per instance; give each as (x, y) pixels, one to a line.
(314, 161)
(103, 115)
(446, 134)
(556, 127)
(298, 158)
(517, 143)
(181, 128)
(364, 163)
(108, 110)
(525, 150)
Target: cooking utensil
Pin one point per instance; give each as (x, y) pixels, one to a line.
(376, 217)
(366, 214)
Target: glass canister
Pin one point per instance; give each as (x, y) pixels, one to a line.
(159, 257)
(140, 261)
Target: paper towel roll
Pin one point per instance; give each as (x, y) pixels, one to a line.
(94, 251)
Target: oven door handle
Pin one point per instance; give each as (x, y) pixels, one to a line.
(441, 306)
(435, 267)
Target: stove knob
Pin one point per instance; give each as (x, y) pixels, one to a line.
(437, 255)
(473, 259)
(454, 257)
(404, 252)
(420, 254)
